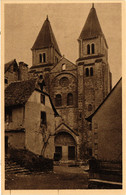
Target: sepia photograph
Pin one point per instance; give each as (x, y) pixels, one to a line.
(62, 95)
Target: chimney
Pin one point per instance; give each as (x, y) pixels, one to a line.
(23, 71)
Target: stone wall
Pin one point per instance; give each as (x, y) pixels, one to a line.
(107, 128)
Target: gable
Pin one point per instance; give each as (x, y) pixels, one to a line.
(59, 67)
(64, 128)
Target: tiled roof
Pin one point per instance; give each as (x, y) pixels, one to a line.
(92, 26)
(17, 93)
(46, 38)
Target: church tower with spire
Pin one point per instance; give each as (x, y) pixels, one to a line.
(45, 52)
(94, 76)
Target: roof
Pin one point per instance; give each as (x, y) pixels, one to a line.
(92, 28)
(61, 60)
(17, 93)
(46, 38)
(8, 65)
(90, 117)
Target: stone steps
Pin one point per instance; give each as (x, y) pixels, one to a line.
(14, 168)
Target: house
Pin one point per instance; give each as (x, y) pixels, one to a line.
(30, 117)
(14, 72)
(107, 127)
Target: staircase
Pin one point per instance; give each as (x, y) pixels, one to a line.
(12, 167)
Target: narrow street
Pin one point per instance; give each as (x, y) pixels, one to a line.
(62, 177)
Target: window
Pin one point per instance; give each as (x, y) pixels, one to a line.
(8, 115)
(58, 100)
(40, 58)
(44, 57)
(93, 48)
(70, 99)
(64, 82)
(87, 72)
(91, 71)
(63, 66)
(88, 49)
(42, 99)
(43, 118)
(6, 81)
(89, 107)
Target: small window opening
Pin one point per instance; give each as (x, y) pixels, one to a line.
(44, 57)
(93, 48)
(91, 71)
(40, 58)
(87, 72)
(58, 100)
(43, 118)
(70, 99)
(88, 49)
(6, 81)
(63, 66)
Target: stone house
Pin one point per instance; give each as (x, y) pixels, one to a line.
(14, 72)
(75, 89)
(107, 127)
(30, 117)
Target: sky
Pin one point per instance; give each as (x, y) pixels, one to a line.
(23, 22)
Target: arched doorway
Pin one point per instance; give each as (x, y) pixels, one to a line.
(65, 146)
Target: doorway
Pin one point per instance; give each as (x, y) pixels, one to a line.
(71, 152)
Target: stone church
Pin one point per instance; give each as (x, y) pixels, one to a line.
(75, 89)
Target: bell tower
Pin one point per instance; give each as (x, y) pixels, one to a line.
(45, 50)
(94, 77)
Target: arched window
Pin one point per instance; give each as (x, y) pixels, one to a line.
(87, 72)
(69, 99)
(58, 100)
(93, 48)
(44, 57)
(88, 49)
(40, 58)
(91, 71)
(63, 66)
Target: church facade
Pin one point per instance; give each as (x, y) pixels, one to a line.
(75, 89)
